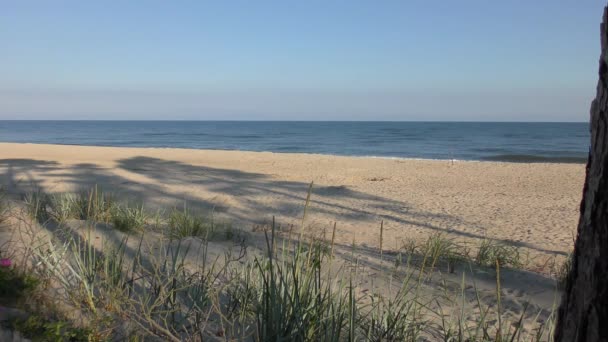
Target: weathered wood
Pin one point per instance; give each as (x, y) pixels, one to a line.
(583, 314)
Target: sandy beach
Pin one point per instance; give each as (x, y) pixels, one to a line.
(534, 206)
(284, 172)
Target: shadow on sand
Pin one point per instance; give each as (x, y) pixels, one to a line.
(148, 180)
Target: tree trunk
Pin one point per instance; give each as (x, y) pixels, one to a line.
(583, 314)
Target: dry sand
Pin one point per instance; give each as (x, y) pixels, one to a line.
(534, 206)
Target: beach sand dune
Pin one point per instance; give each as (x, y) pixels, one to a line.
(533, 206)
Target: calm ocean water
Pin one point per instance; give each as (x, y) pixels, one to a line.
(521, 142)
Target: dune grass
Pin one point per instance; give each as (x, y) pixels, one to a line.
(184, 222)
(39, 328)
(20, 288)
(4, 206)
(94, 205)
(441, 250)
(36, 204)
(15, 284)
(64, 207)
(563, 271)
(128, 218)
(490, 252)
(295, 290)
(439, 247)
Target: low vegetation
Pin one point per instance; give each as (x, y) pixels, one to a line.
(18, 288)
(440, 250)
(37, 205)
(184, 223)
(94, 205)
(128, 218)
(40, 329)
(175, 289)
(64, 207)
(563, 271)
(15, 284)
(490, 252)
(4, 207)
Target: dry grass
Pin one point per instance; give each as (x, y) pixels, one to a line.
(291, 292)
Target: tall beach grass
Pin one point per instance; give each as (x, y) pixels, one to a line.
(160, 284)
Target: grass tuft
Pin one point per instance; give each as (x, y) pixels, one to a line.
(94, 205)
(38, 328)
(292, 301)
(15, 284)
(4, 207)
(128, 218)
(395, 319)
(438, 247)
(36, 204)
(563, 272)
(491, 252)
(186, 223)
(64, 207)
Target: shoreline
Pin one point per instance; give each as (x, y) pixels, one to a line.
(531, 159)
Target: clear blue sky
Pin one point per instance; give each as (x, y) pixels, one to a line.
(299, 60)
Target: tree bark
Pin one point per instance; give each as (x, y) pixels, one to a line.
(583, 314)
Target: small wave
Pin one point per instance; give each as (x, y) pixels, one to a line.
(528, 158)
(168, 134)
(158, 134)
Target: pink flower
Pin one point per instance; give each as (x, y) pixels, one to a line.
(5, 262)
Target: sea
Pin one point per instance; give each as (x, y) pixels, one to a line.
(480, 141)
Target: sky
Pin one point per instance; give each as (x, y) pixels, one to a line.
(299, 60)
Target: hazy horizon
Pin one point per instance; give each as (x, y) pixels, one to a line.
(315, 61)
(297, 120)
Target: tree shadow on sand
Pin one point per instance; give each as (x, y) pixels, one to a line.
(289, 197)
(148, 179)
(245, 197)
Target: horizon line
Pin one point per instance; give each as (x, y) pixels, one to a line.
(237, 120)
